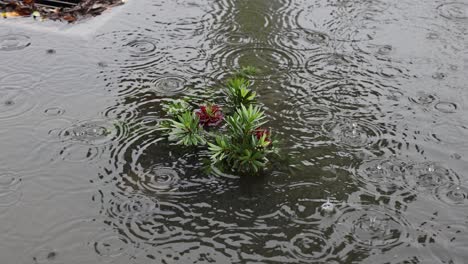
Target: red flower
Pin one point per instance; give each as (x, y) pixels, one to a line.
(260, 132)
(210, 115)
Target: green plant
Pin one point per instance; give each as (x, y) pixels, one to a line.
(246, 72)
(238, 92)
(246, 146)
(186, 130)
(235, 141)
(176, 107)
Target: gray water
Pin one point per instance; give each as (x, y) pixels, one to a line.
(369, 99)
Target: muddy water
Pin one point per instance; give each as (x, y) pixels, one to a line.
(369, 98)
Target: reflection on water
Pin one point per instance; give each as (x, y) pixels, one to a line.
(366, 96)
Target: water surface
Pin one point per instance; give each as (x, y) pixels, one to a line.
(368, 98)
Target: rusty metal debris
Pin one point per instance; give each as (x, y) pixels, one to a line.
(63, 10)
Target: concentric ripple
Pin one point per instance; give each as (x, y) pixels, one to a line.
(455, 10)
(54, 111)
(311, 246)
(449, 133)
(170, 85)
(159, 180)
(423, 98)
(351, 133)
(429, 176)
(79, 153)
(386, 175)
(10, 189)
(15, 103)
(141, 218)
(330, 65)
(120, 207)
(302, 39)
(270, 62)
(234, 38)
(374, 227)
(94, 132)
(135, 50)
(110, 245)
(50, 130)
(141, 46)
(453, 194)
(446, 107)
(14, 42)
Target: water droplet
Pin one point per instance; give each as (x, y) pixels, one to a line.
(328, 207)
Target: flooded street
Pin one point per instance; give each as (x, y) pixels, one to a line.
(368, 98)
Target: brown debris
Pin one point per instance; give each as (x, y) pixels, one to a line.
(86, 8)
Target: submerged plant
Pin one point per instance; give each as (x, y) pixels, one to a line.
(186, 130)
(245, 147)
(238, 92)
(246, 72)
(176, 107)
(242, 144)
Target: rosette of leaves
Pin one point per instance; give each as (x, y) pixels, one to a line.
(186, 130)
(183, 126)
(210, 115)
(238, 92)
(246, 146)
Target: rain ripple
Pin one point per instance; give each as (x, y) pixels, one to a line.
(359, 133)
(13, 42)
(159, 180)
(145, 219)
(385, 176)
(170, 85)
(94, 132)
(301, 39)
(391, 176)
(311, 246)
(270, 62)
(331, 65)
(10, 189)
(373, 227)
(16, 94)
(453, 194)
(454, 10)
(136, 50)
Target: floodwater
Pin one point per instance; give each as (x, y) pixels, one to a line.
(369, 99)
